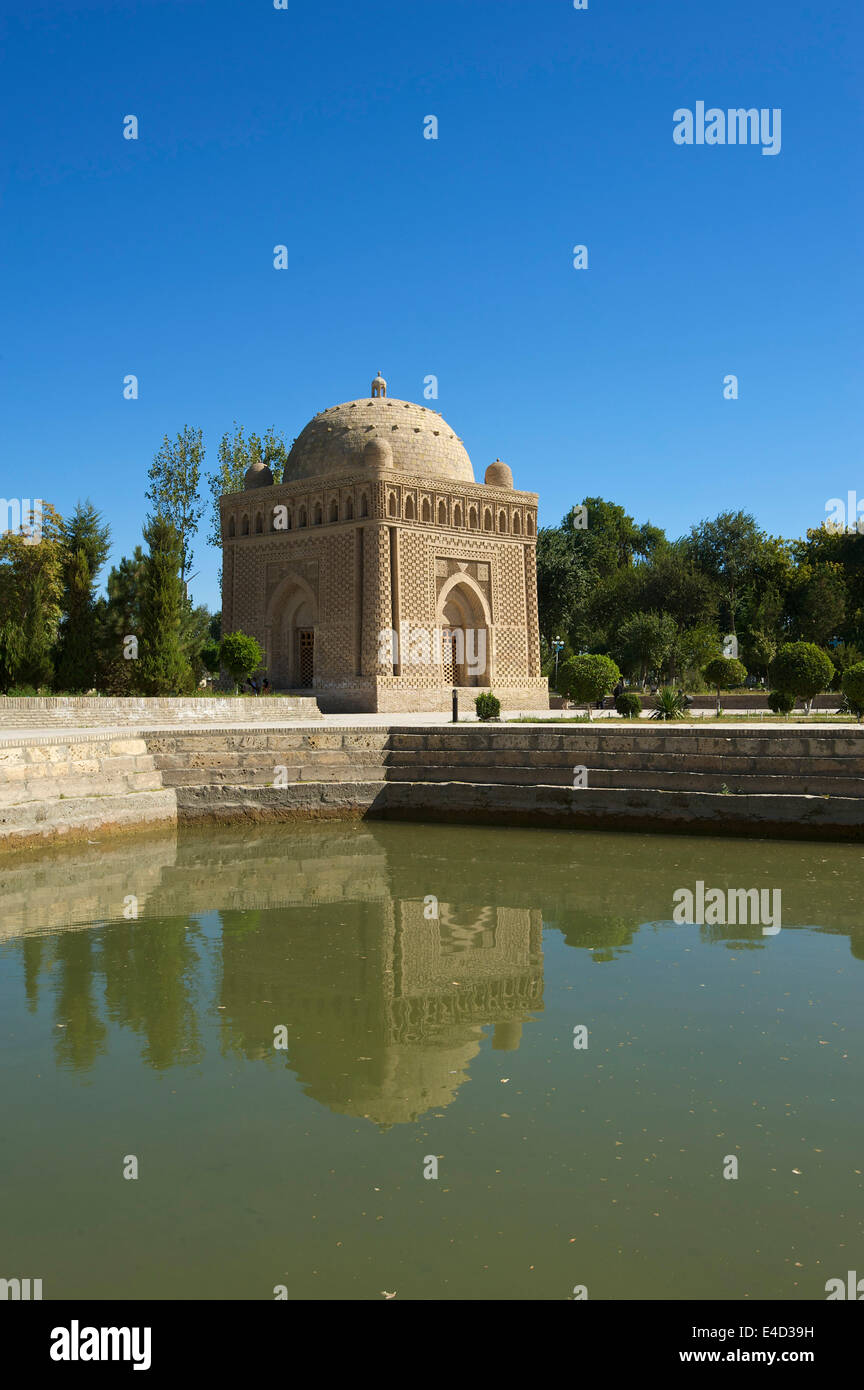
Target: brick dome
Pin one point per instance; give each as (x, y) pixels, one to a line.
(420, 441)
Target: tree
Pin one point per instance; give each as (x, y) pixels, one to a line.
(781, 702)
(209, 656)
(237, 453)
(119, 618)
(588, 678)
(85, 542)
(162, 667)
(802, 669)
(31, 587)
(194, 632)
(11, 654)
(611, 538)
(174, 476)
(759, 650)
(562, 586)
(817, 603)
(727, 550)
(853, 688)
(725, 671)
(644, 642)
(240, 655)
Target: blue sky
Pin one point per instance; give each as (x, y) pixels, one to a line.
(304, 127)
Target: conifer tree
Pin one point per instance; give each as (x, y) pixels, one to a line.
(162, 668)
(85, 543)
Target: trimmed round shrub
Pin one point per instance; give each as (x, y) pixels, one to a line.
(587, 679)
(802, 669)
(628, 704)
(781, 702)
(725, 672)
(852, 686)
(487, 705)
(240, 655)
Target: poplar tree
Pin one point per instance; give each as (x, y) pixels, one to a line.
(236, 454)
(175, 474)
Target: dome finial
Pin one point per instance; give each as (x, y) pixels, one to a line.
(379, 385)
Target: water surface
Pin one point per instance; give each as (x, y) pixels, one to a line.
(427, 981)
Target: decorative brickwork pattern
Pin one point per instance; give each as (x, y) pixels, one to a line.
(375, 486)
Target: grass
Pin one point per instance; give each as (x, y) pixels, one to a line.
(752, 717)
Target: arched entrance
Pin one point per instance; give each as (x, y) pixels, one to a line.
(464, 622)
(292, 617)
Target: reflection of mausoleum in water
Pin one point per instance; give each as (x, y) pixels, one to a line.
(385, 1006)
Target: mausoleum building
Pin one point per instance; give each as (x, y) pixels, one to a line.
(377, 574)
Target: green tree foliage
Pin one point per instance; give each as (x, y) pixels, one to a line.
(31, 589)
(852, 686)
(758, 650)
(162, 667)
(817, 602)
(628, 704)
(120, 619)
(739, 557)
(84, 543)
(194, 633)
(725, 671)
(175, 475)
(487, 705)
(11, 654)
(825, 546)
(209, 656)
(802, 669)
(781, 702)
(644, 642)
(588, 678)
(562, 583)
(237, 453)
(596, 579)
(240, 655)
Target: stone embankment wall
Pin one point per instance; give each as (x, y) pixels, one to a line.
(52, 790)
(783, 780)
(107, 712)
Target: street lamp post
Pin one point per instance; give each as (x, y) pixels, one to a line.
(557, 646)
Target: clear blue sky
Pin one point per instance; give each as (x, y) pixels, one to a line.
(305, 127)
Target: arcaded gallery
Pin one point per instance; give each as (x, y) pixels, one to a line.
(377, 574)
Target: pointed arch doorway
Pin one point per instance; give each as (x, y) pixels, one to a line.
(292, 618)
(463, 620)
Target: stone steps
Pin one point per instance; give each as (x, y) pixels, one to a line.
(804, 784)
(669, 741)
(789, 816)
(265, 776)
(75, 817)
(731, 763)
(297, 801)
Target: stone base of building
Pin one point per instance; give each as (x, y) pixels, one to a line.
(395, 695)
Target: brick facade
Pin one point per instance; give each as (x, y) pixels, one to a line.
(349, 548)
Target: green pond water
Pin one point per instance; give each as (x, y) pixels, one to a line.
(427, 982)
